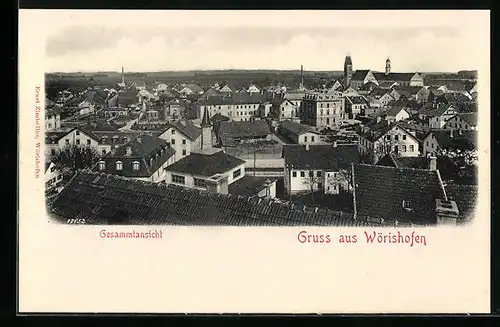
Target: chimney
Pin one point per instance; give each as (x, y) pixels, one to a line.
(446, 212)
(128, 151)
(432, 163)
(335, 143)
(123, 76)
(451, 133)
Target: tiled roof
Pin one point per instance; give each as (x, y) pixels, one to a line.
(407, 90)
(394, 110)
(249, 186)
(321, 156)
(470, 118)
(403, 77)
(99, 198)
(244, 129)
(428, 109)
(380, 192)
(360, 74)
(296, 128)
(143, 148)
(467, 140)
(466, 198)
(368, 86)
(356, 99)
(234, 99)
(453, 98)
(206, 164)
(53, 111)
(452, 85)
(185, 127)
(390, 160)
(218, 118)
(378, 92)
(294, 96)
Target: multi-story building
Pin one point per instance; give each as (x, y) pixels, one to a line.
(323, 109)
(236, 106)
(143, 158)
(52, 119)
(283, 109)
(183, 136)
(313, 168)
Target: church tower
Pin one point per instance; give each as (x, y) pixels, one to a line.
(347, 71)
(206, 130)
(388, 66)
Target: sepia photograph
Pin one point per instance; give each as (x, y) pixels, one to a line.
(357, 131)
(257, 161)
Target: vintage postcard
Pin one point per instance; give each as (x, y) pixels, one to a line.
(254, 161)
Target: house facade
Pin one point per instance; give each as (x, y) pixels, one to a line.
(323, 110)
(462, 122)
(52, 119)
(318, 168)
(183, 136)
(437, 115)
(283, 109)
(298, 133)
(392, 139)
(53, 178)
(203, 167)
(143, 158)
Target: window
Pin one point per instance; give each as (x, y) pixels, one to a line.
(404, 137)
(318, 173)
(328, 105)
(411, 148)
(328, 121)
(135, 165)
(302, 174)
(237, 173)
(311, 173)
(119, 165)
(312, 138)
(294, 174)
(427, 143)
(305, 138)
(403, 148)
(396, 137)
(328, 112)
(77, 132)
(407, 205)
(52, 169)
(102, 165)
(183, 141)
(67, 141)
(52, 151)
(173, 141)
(103, 152)
(77, 141)
(200, 183)
(320, 185)
(388, 137)
(173, 131)
(184, 152)
(89, 142)
(178, 179)
(59, 177)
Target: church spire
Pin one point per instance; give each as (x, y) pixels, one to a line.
(206, 117)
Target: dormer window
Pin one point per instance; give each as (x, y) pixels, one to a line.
(102, 165)
(119, 165)
(135, 165)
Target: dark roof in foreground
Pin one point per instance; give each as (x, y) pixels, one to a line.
(249, 185)
(206, 164)
(321, 156)
(380, 192)
(105, 199)
(296, 128)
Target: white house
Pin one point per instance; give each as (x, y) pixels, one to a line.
(298, 133)
(397, 113)
(52, 119)
(253, 89)
(202, 167)
(283, 109)
(143, 158)
(392, 138)
(53, 178)
(323, 168)
(462, 122)
(438, 115)
(183, 136)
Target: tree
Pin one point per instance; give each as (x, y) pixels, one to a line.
(312, 180)
(74, 158)
(460, 166)
(342, 178)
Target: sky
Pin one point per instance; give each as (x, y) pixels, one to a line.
(145, 41)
